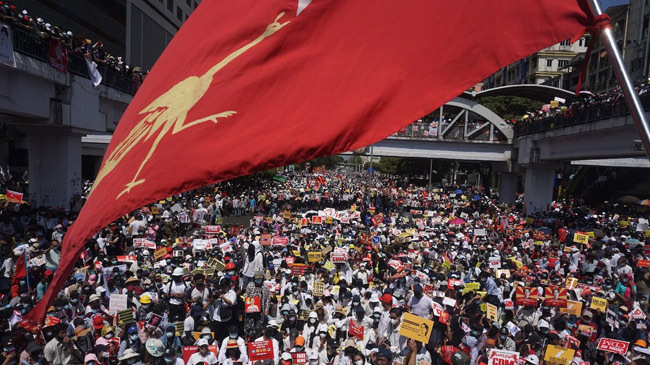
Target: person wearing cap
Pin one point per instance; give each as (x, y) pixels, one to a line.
(387, 304)
(170, 358)
(131, 341)
(286, 359)
(203, 354)
(175, 294)
(385, 357)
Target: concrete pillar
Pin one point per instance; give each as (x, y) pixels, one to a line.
(508, 187)
(54, 168)
(538, 188)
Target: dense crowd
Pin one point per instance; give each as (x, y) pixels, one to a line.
(587, 101)
(331, 268)
(77, 44)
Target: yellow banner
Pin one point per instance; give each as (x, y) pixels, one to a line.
(558, 355)
(314, 256)
(599, 304)
(572, 307)
(329, 266)
(581, 238)
(329, 220)
(159, 253)
(492, 312)
(416, 328)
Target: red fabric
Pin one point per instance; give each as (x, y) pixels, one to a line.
(335, 78)
(21, 270)
(594, 30)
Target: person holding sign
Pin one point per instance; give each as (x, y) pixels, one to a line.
(203, 355)
(254, 320)
(392, 336)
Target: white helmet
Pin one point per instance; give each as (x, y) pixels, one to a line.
(145, 252)
(178, 272)
(533, 359)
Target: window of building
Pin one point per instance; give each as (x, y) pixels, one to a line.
(562, 63)
(549, 62)
(179, 13)
(170, 5)
(581, 42)
(565, 42)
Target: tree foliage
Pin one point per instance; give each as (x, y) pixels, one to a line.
(508, 107)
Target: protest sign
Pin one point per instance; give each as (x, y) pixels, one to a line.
(299, 357)
(555, 296)
(599, 304)
(51, 321)
(265, 239)
(611, 345)
(212, 229)
(637, 313)
(316, 220)
(558, 355)
(494, 263)
(416, 328)
(572, 307)
(159, 253)
(252, 305)
(480, 232)
(526, 296)
(501, 272)
(319, 286)
(339, 257)
(14, 196)
(314, 256)
(299, 269)
(127, 259)
(260, 350)
(492, 312)
(356, 329)
(154, 320)
(443, 318)
(502, 357)
(125, 316)
(585, 330)
(581, 238)
(280, 241)
(117, 303)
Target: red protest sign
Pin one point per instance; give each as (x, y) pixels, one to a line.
(127, 259)
(252, 305)
(356, 329)
(298, 269)
(234, 231)
(643, 263)
(377, 219)
(299, 357)
(212, 229)
(526, 296)
(316, 220)
(280, 241)
(265, 239)
(304, 222)
(189, 350)
(444, 318)
(14, 196)
(555, 296)
(51, 321)
(452, 283)
(611, 345)
(260, 350)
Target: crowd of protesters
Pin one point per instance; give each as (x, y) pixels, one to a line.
(333, 267)
(77, 44)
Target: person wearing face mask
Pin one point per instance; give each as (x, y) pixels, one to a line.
(58, 349)
(224, 301)
(130, 357)
(95, 306)
(391, 336)
(233, 335)
(203, 355)
(206, 334)
(269, 334)
(144, 312)
(175, 292)
(309, 329)
(132, 341)
(254, 321)
(170, 358)
(170, 340)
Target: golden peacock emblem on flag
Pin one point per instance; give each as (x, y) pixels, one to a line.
(168, 112)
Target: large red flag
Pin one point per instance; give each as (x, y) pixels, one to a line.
(248, 85)
(21, 269)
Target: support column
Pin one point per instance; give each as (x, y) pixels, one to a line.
(538, 188)
(508, 187)
(54, 168)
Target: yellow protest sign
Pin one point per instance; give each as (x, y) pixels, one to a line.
(296, 253)
(314, 256)
(599, 304)
(581, 238)
(416, 328)
(483, 307)
(555, 104)
(647, 233)
(492, 312)
(571, 283)
(471, 286)
(329, 266)
(159, 253)
(319, 286)
(329, 220)
(155, 210)
(572, 307)
(286, 214)
(558, 355)
(591, 234)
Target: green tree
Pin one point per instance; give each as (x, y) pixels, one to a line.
(508, 107)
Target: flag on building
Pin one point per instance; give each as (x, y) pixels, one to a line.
(277, 85)
(93, 73)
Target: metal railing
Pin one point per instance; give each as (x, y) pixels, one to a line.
(581, 116)
(33, 46)
(457, 132)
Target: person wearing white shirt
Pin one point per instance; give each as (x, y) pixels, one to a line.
(268, 335)
(203, 355)
(233, 340)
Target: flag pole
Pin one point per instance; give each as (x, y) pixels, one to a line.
(26, 269)
(631, 96)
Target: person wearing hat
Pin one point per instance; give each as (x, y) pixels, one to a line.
(286, 359)
(175, 294)
(130, 357)
(170, 358)
(131, 341)
(203, 354)
(170, 340)
(95, 306)
(387, 304)
(233, 353)
(233, 335)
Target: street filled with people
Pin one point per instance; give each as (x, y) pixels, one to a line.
(331, 267)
